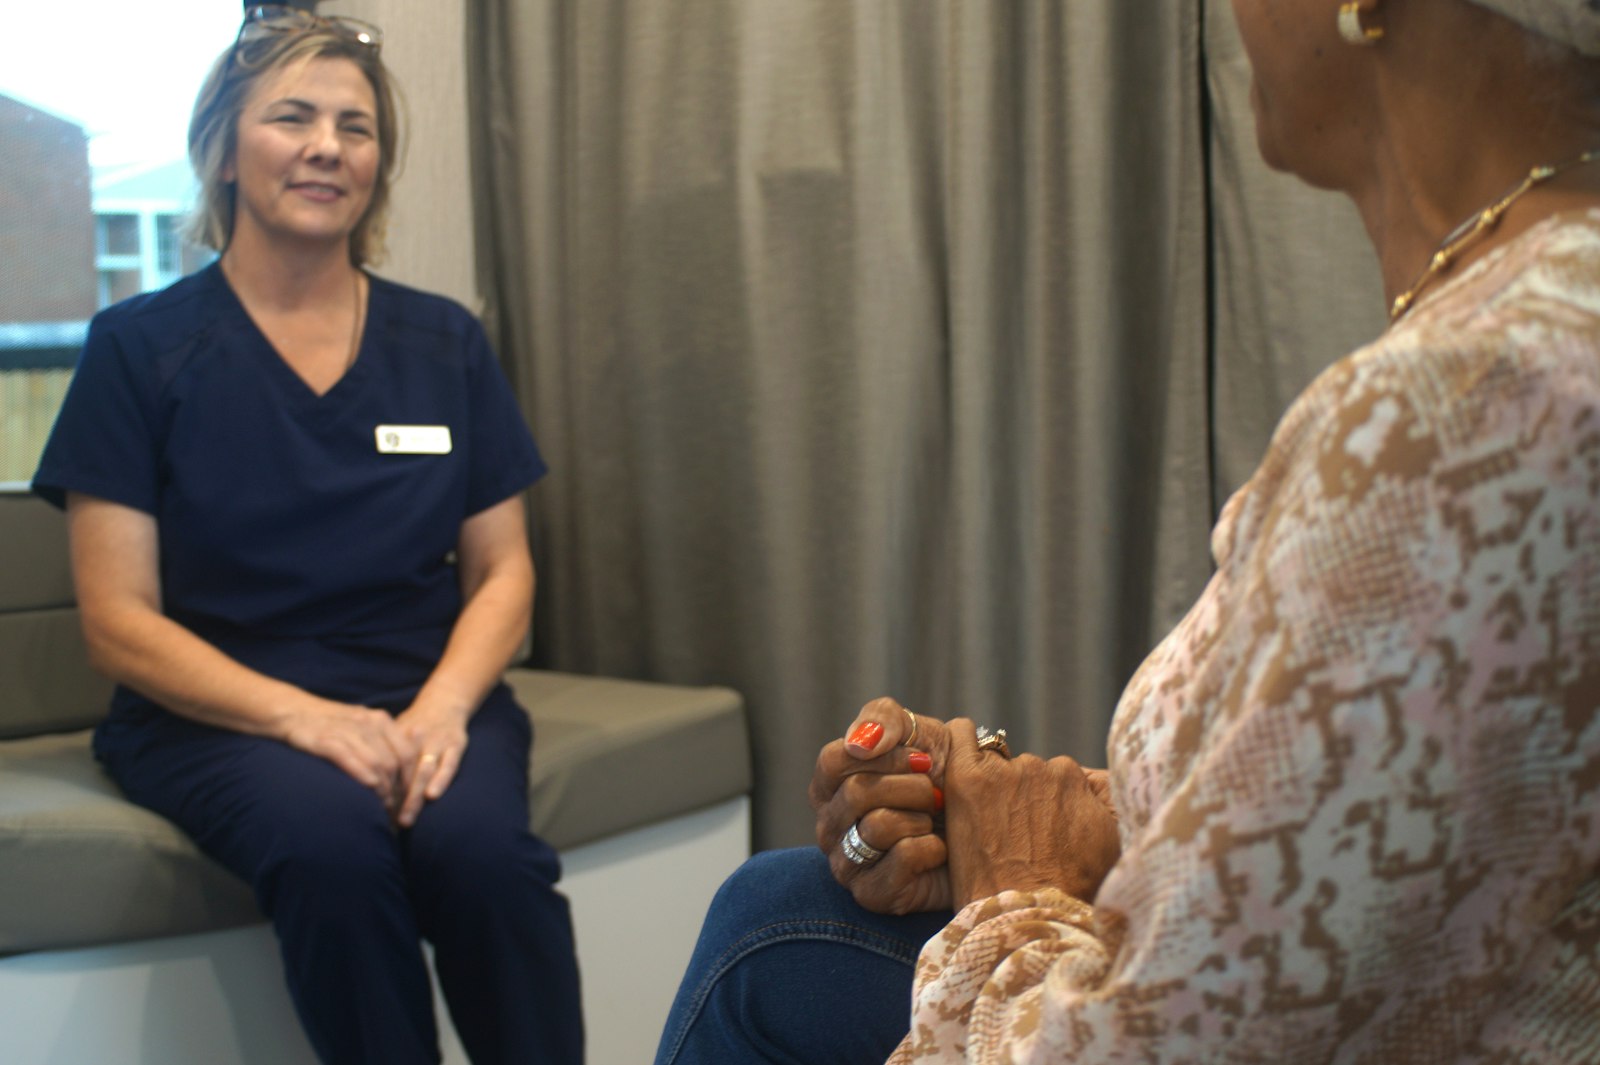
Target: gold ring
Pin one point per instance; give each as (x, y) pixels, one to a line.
(429, 757)
(911, 737)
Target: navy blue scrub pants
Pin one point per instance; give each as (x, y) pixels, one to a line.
(351, 897)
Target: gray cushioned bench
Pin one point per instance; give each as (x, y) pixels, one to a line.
(80, 866)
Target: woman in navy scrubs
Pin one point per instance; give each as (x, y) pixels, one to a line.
(293, 494)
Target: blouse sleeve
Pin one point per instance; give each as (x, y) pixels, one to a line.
(1382, 840)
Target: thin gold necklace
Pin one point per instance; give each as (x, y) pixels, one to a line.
(1476, 227)
(355, 326)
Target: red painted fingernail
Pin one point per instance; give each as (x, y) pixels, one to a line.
(938, 799)
(865, 735)
(920, 761)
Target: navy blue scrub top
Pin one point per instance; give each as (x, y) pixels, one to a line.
(291, 538)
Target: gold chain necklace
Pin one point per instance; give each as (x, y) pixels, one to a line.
(355, 326)
(1477, 226)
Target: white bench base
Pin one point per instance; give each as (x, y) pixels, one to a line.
(218, 998)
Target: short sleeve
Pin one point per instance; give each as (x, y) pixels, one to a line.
(503, 458)
(104, 442)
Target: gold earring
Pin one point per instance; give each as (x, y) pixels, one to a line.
(1351, 29)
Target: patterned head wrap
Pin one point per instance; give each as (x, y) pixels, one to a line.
(1572, 22)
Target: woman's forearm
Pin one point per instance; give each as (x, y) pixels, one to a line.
(497, 582)
(115, 566)
(165, 662)
(484, 639)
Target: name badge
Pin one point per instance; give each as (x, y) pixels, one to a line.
(413, 439)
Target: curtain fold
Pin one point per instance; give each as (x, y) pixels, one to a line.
(868, 342)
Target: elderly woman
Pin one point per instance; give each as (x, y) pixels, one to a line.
(293, 495)
(1353, 806)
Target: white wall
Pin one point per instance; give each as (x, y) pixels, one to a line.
(430, 230)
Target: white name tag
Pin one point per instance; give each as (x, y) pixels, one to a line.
(413, 439)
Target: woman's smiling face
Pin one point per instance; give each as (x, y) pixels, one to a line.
(306, 155)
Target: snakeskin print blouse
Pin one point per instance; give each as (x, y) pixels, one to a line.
(1359, 784)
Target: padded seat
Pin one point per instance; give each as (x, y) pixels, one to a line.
(81, 866)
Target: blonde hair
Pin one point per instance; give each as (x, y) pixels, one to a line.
(214, 129)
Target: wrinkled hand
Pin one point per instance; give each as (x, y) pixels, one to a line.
(1099, 781)
(892, 792)
(1024, 823)
(439, 739)
(365, 743)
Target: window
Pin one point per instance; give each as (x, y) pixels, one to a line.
(169, 244)
(95, 182)
(116, 257)
(119, 236)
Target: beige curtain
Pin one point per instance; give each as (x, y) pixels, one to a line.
(871, 345)
(1297, 281)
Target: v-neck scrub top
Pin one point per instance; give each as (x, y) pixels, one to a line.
(293, 535)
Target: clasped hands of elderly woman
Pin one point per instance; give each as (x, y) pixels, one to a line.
(954, 821)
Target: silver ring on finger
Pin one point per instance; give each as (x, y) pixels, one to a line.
(993, 741)
(858, 850)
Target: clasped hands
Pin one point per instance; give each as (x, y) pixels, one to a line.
(406, 759)
(956, 823)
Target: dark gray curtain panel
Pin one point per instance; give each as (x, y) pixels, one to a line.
(871, 344)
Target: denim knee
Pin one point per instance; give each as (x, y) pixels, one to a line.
(785, 960)
(785, 895)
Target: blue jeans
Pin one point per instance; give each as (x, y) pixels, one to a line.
(789, 969)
